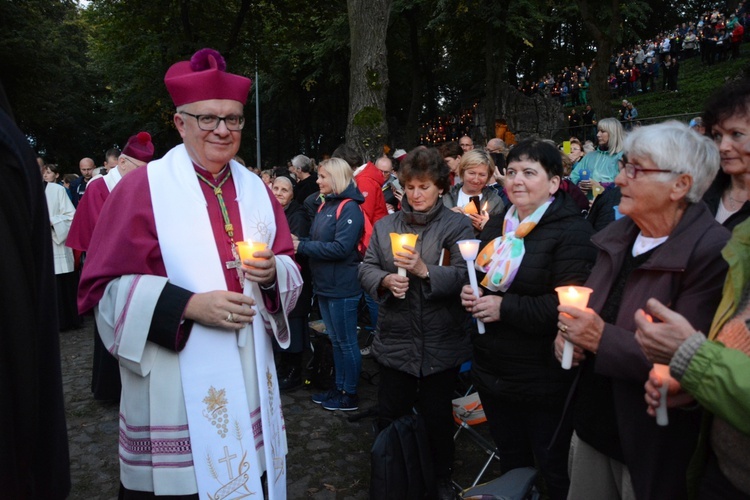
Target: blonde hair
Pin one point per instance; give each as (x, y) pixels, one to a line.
(476, 157)
(613, 127)
(340, 172)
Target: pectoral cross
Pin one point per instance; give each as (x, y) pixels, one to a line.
(236, 264)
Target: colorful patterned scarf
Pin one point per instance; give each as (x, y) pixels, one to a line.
(502, 257)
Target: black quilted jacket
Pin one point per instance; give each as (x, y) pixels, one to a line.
(428, 331)
(515, 357)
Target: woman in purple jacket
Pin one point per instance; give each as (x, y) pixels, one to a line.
(667, 246)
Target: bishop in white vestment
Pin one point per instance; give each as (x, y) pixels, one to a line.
(190, 323)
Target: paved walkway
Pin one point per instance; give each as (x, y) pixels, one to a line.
(329, 457)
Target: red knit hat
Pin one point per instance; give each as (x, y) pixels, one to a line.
(140, 147)
(205, 77)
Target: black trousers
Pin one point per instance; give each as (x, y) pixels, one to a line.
(523, 434)
(399, 393)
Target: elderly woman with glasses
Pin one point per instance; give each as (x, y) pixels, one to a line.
(668, 247)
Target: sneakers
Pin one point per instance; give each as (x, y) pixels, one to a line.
(325, 396)
(342, 401)
(291, 380)
(366, 351)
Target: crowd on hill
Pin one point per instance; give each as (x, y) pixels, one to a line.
(651, 65)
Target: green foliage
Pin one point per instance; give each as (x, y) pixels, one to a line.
(82, 80)
(47, 78)
(373, 79)
(368, 118)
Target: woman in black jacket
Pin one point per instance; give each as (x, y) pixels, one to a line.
(289, 365)
(541, 242)
(423, 331)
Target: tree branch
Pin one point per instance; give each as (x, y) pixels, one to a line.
(237, 26)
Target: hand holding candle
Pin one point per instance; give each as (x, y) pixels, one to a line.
(262, 270)
(469, 250)
(575, 296)
(247, 249)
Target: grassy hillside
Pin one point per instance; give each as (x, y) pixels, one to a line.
(695, 81)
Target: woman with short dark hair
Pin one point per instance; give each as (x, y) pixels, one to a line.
(540, 243)
(727, 122)
(423, 333)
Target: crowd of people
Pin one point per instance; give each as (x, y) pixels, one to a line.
(203, 320)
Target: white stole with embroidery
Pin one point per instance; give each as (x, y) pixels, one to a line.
(225, 385)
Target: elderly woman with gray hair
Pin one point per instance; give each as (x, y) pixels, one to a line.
(667, 246)
(289, 364)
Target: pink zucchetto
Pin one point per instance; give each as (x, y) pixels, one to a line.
(140, 147)
(204, 77)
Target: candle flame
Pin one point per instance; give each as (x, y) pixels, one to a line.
(572, 292)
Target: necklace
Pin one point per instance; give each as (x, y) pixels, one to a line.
(735, 204)
(228, 227)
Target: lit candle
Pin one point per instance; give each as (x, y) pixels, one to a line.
(246, 249)
(470, 208)
(662, 371)
(469, 250)
(576, 296)
(397, 245)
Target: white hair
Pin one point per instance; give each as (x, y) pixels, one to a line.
(673, 146)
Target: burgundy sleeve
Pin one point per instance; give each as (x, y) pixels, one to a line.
(87, 215)
(124, 240)
(282, 245)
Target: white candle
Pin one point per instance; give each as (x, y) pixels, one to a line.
(662, 371)
(397, 245)
(576, 296)
(469, 250)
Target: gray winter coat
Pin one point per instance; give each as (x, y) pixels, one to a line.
(428, 331)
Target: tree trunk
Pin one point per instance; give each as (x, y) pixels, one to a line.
(598, 86)
(606, 31)
(411, 133)
(495, 47)
(367, 128)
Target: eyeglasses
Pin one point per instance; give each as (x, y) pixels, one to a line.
(131, 161)
(492, 150)
(210, 123)
(633, 169)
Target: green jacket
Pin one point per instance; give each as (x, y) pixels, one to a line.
(718, 377)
